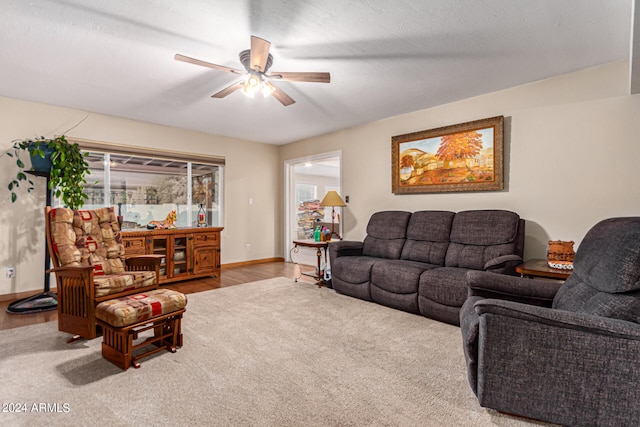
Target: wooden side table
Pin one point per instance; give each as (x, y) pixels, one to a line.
(540, 268)
(320, 247)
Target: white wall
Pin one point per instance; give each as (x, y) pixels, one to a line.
(571, 156)
(250, 172)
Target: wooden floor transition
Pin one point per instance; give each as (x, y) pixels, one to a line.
(229, 277)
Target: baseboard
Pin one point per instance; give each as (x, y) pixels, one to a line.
(251, 262)
(21, 295)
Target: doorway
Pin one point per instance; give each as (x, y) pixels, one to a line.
(307, 180)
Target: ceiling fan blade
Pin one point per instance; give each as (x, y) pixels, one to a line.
(228, 90)
(183, 58)
(302, 77)
(259, 53)
(281, 96)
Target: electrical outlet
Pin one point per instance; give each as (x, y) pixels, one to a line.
(248, 247)
(10, 272)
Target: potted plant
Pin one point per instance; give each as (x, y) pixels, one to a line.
(67, 170)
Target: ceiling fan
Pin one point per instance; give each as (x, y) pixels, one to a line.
(257, 62)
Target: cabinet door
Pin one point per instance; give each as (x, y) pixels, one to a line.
(178, 264)
(205, 259)
(159, 246)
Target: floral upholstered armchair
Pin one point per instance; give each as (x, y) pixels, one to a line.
(91, 267)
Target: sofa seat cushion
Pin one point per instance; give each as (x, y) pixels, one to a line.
(354, 269)
(136, 308)
(394, 283)
(114, 283)
(444, 285)
(398, 276)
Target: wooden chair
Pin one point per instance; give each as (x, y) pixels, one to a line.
(90, 266)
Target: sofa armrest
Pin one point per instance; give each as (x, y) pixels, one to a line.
(573, 368)
(344, 248)
(560, 318)
(71, 270)
(519, 289)
(74, 280)
(505, 264)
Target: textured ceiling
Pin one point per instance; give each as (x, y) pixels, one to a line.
(385, 57)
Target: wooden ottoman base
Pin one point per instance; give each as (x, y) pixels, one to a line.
(118, 343)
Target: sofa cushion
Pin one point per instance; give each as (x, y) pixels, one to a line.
(87, 238)
(107, 284)
(478, 237)
(394, 283)
(606, 277)
(398, 276)
(444, 285)
(136, 308)
(386, 232)
(428, 237)
(354, 269)
(484, 227)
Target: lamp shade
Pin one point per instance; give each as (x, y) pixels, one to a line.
(332, 198)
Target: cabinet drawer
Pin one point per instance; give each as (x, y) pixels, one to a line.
(210, 239)
(134, 246)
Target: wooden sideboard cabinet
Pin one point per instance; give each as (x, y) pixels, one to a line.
(188, 252)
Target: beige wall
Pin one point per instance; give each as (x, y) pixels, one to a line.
(249, 173)
(571, 156)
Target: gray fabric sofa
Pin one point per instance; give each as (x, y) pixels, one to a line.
(567, 353)
(417, 262)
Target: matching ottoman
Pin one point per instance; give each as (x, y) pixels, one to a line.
(123, 319)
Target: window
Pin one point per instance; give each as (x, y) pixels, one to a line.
(305, 192)
(146, 188)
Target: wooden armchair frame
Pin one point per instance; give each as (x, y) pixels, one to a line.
(77, 293)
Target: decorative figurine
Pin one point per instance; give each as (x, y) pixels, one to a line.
(169, 222)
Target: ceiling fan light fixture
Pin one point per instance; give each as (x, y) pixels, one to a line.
(267, 89)
(251, 85)
(257, 62)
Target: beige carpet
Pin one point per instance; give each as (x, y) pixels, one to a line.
(266, 353)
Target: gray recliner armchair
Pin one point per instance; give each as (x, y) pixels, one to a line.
(564, 353)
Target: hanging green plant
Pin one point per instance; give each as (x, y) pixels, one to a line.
(67, 174)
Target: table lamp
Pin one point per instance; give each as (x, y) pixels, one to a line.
(333, 199)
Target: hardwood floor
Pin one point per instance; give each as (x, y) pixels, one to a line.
(229, 277)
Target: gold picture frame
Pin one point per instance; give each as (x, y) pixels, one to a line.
(462, 157)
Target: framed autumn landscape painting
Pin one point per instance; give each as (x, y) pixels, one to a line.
(462, 157)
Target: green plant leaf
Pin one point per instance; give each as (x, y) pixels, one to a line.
(67, 176)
